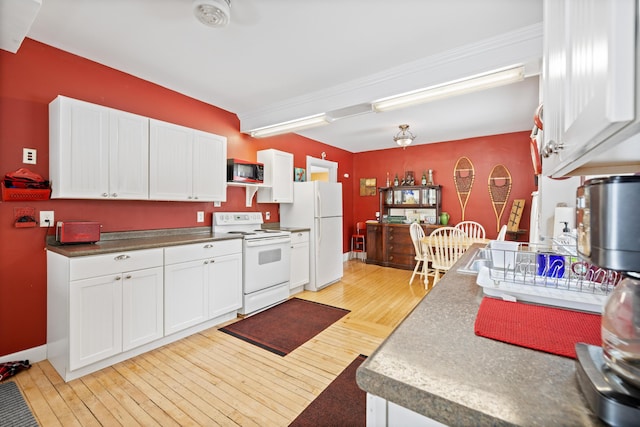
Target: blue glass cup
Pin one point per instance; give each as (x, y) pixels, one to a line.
(550, 265)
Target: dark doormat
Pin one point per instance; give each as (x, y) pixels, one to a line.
(14, 411)
(341, 404)
(285, 327)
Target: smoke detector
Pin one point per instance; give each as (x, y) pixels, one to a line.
(212, 13)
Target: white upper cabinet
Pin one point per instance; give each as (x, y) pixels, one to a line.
(278, 177)
(186, 164)
(209, 166)
(97, 152)
(590, 87)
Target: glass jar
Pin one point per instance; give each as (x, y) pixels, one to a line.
(621, 330)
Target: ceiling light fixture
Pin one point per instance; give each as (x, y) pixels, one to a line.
(213, 13)
(290, 126)
(457, 87)
(404, 137)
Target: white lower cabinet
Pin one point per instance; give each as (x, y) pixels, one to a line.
(103, 309)
(383, 413)
(299, 259)
(99, 306)
(202, 281)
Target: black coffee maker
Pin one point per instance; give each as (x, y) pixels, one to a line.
(608, 222)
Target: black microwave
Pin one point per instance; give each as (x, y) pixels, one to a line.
(244, 171)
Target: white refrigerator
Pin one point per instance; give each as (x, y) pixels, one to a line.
(317, 205)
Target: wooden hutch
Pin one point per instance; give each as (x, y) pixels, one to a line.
(388, 241)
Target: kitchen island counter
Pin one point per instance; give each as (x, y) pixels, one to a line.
(136, 240)
(435, 365)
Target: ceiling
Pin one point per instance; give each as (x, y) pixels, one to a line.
(279, 60)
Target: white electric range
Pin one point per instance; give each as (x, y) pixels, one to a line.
(266, 259)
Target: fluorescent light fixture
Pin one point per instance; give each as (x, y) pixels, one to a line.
(457, 87)
(290, 126)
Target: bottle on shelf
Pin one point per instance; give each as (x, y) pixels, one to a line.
(395, 181)
(424, 178)
(430, 180)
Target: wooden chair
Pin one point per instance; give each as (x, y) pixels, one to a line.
(358, 242)
(472, 229)
(446, 246)
(502, 233)
(422, 257)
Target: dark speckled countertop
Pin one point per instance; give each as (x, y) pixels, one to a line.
(435, 365)
(134, 240)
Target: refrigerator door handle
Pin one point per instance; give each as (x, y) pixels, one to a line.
(318, 205)
(318, 230)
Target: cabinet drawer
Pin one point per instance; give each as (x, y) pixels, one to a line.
(184, 253)
(117, 262)
(299, 237)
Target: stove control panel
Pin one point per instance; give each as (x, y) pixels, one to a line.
(237, 218)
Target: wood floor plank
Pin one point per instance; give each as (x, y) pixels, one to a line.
(212, 378)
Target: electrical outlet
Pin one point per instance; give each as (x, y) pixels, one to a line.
(267, 215)
(29, 155)
(200, 216)
(46, 218)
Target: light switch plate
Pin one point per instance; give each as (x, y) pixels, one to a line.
(29, 155)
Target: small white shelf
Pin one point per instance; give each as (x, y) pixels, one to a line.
(250, 190)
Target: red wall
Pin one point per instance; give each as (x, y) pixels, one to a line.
(511, 150)
(34, 76)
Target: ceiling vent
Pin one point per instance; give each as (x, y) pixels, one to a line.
(213, 13)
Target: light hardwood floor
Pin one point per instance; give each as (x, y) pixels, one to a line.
(212, 378)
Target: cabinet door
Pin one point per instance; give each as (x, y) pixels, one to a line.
(588, 78)
(170, 161)
(278, 176)
(374, 244)
(299, 261)
(209, 167)
(142, 307)
(129, 156)
(95, 319)
(185, 295)
(225, 284)
(78, 149)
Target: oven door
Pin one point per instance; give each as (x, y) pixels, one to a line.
(266, 262)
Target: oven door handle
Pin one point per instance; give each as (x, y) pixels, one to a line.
(267, 241)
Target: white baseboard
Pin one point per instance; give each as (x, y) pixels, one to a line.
(33, 355)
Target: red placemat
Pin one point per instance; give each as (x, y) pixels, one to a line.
(548, 329)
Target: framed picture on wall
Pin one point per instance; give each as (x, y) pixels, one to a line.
(299, 174)
(367, 186)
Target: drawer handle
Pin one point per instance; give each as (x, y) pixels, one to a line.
(118, 278)
(128, 276)
(114, 194)
(206, 261)
(208, 246)
(122, 257)
(390, 237)
(212, 261)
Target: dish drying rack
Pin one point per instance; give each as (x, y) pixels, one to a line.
(533, 273)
